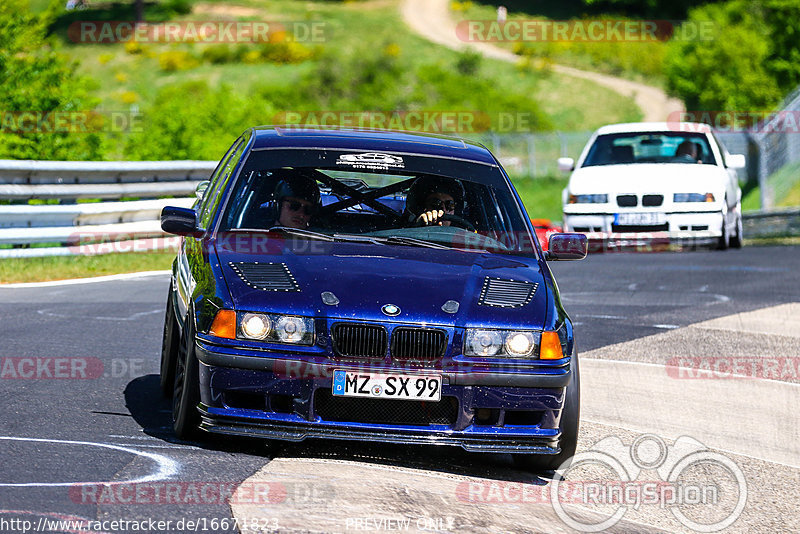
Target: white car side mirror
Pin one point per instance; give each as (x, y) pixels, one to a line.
(566, 164)
(735, 161)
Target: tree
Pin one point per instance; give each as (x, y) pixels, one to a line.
(731, 71)
(38, 86)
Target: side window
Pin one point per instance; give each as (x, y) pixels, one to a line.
(214, 193)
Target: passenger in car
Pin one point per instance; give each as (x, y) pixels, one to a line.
(431, 199)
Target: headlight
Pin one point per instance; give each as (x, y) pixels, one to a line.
(693, 197)
(501, 343)
(275, 328)
(256, 325)
(483, 342)
(291, 329)
(588, 199)
(520, 343)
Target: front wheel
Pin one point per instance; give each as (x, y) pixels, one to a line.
(570, 418)
(170, 345)
(737, 239)
(724, 239)
(186, 392)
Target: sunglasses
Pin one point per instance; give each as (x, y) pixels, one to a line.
(444, 205)
(295, 205)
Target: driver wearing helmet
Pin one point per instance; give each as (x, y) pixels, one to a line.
(430, 200)
(296, 199)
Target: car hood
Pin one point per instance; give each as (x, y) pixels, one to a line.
(365, 277)
(647, 178)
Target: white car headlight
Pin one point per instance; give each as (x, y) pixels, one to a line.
(693, 197)
(588, 199)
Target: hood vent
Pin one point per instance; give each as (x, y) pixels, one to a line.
(266, 276)
(506, 293)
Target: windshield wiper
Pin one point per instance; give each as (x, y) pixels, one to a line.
(350, 238)
(399, 240)
(300, 232)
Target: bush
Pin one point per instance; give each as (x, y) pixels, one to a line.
(192, 121)
(174, 60)
(34, 77)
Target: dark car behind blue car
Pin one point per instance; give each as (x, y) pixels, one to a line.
(311, 299)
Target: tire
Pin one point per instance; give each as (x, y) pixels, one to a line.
(170, 342)
(186, 392)
(570, 419)
(724, 239)
(737, 239)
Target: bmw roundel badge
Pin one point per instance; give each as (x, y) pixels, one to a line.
(390, 309)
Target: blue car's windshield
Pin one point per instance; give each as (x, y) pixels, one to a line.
(382, 197)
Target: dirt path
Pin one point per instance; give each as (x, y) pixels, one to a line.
(431, 19)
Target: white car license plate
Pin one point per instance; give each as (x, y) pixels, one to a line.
(645, 219)
(387, 385)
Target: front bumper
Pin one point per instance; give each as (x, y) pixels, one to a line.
(274, 396)
(683, 228)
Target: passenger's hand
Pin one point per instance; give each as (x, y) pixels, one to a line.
(431, 217)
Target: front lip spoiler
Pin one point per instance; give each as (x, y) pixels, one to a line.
(296, 432)
(468, 378)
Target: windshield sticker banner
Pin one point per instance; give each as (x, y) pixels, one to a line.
(371, 160)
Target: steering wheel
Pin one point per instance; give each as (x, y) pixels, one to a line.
(461, 222)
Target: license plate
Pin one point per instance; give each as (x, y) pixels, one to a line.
(387, 385)
(639, 219)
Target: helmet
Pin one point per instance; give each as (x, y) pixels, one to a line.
(298, 187)
(291, 185)
(426, 185)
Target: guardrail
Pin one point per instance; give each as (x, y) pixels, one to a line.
(73, 227)
(773, 223)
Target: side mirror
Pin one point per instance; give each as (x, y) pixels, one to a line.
(179, 221)
(567, 247)
(200, 190)
(735, 161)
(566, 164)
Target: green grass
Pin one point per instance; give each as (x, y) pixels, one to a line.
(126, 79)
(65, 267)
(541, 196)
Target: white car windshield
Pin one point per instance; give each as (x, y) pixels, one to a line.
(650, 147)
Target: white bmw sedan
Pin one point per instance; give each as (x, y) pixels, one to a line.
(674, 181)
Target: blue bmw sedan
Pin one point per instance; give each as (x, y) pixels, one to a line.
(369, 285)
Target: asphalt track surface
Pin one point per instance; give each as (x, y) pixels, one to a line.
(89, 428)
